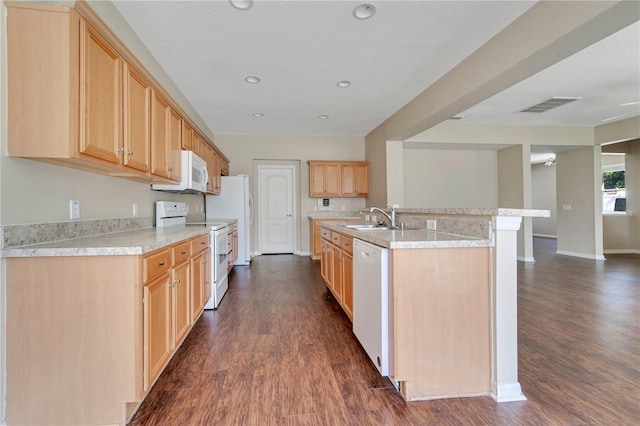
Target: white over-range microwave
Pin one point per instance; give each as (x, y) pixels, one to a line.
(193, 176)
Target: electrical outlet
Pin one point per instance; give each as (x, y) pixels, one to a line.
(374, 218)
(566, 207)
(431, 224)
(135, 209)
(366, 218)
(74, 209)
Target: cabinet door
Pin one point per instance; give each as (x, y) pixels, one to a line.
(175, 128)
(347, 283)
(325, 260)
(159, 136)
(197, 284)
(316, 238)
(333, 180)
(137, 120)
(181, 303)
(157, 327)
(336, 272)
(316, 179)
(362, 180)
(349, 180)
(186, 138)
(100, 96)
(206, 282)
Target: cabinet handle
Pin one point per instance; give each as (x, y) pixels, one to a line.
(170, 169)
(160, 264)
(202, 242)
(205, 261)
(120, 149)
(183, 252)
(130, 152)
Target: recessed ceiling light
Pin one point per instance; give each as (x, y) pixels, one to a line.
(344, 83)
(323, 117)
(258, 114)
(241, 4)
(364, 11)
(252, 79)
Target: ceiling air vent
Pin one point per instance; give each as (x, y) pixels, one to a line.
(549, 104)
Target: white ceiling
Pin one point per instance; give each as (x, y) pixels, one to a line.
(301, 49)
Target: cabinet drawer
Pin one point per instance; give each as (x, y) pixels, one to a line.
(180, 253)
(325, 233)
(336, 238)
(199, 243)
(155, 264)
(347, 244)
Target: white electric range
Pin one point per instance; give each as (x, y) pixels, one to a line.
(171, 213)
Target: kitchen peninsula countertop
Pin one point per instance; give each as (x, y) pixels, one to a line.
(409, 238)
(135, 242)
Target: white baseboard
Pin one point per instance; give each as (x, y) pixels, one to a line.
(555, 237)
(528, 259)
(582, 255)
(621, 251)
(302, 253)
(507, 392)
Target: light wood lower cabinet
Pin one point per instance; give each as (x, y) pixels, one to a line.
(315, 232)
(88, 335)
(157, 327)
(337, 267)
(200, 275)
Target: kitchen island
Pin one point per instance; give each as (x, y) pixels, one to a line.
(453, 294)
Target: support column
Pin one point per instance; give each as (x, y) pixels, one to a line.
(504, 322)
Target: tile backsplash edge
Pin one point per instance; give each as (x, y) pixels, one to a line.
(21, 235)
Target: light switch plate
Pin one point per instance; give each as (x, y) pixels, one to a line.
(566, 207)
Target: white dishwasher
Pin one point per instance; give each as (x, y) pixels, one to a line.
(371, 302)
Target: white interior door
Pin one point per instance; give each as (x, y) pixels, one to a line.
(276, 209)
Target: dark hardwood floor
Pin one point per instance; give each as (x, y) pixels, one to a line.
(279, 351)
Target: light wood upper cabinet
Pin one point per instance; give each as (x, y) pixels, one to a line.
(324, 179)
(78, 97)
(159, 136)
(355, 180)
(186, 141)
(175, 132)
(338, 179)
(100, 96)
(137, 120)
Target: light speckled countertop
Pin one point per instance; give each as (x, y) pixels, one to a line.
(409, 238)
(135, 242)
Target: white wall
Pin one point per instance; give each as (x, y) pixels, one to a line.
(543, 191)
(244, 151)
(449, 178)
(579, 230)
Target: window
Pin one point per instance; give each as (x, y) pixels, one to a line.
(613, 185)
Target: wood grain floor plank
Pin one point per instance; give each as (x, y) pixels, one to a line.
(280, 351)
